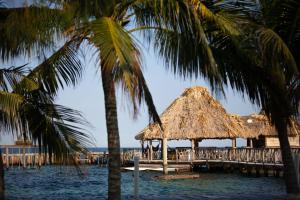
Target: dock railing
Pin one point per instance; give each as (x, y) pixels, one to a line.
(243, 154)
(23, 156)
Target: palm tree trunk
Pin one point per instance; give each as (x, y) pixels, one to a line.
(114, 172)
(291, 182)
(1, 177)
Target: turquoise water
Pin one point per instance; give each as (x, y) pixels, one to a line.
(52, 182)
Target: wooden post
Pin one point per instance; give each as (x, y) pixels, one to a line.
(136, 176)
(247, 154)
(234, 143)
(143, 153)
(40, 159)
(193, 150)
(165, 156)
(6, 159)
(196, 143)
(148, 154)
(234, 148)
(24, 157)
(151, 150)
(249, 142)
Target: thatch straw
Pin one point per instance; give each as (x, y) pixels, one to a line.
(194, 115)
(259, 125)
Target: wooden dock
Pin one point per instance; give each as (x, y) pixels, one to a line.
(247, 160)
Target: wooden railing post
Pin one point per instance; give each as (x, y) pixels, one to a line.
(263, 156)
(193, 150)
(176, 154)
(6, 158)
(151, 150)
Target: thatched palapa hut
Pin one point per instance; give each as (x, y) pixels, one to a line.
(263, 134)
(195, 115)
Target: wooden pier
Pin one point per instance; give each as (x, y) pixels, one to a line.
(258, 161)
(262, 161)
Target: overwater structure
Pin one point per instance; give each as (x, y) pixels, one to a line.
(196, 116)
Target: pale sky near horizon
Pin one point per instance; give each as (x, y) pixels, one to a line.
(87, 97)
(164, 86)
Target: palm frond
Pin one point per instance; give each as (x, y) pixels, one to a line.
(10, 76)
(57, 129)
(275, 52)
(30, 30)
(61, 68)
(113, 42)
(120, 58)
(10, 102)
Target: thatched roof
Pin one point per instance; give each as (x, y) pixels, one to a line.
(260, 125)
(194, 115)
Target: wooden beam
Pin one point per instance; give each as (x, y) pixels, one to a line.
(193, 149)
(165, 156)
(151, 150)
(234, 143)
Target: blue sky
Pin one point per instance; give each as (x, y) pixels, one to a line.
(87, 97)
(164, 86)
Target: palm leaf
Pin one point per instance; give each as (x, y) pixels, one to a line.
(120, 59)
(56, 129)
(61, 68)
(30, 31)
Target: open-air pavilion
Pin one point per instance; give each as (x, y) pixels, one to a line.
(196, 115)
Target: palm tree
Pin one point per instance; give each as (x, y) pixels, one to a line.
(268, 67)
(119, 64)
(256, 57)
(173, 24)
(28, 109)
(27, 97)
(195, 38)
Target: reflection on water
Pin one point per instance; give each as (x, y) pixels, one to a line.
(64, 183)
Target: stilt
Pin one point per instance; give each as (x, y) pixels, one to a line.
(6, 158)
(24, 157)
(193, 150)
(151, 150)
(234, 143)
(165, 156)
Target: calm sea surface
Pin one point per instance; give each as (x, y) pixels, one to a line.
(52, 182)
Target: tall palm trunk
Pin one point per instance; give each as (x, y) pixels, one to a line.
(114, 173)
(290, 177)
(1, 177)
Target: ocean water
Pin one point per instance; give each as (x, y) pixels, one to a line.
(53, 182)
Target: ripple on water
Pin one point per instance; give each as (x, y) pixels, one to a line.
(64, 183)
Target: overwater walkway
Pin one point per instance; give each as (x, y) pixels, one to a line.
(247, 159)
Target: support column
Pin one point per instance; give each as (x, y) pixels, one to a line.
(143, 150)
(151, 150)
(234, 149)
(24, 157)
(165, 156)
(7, 159)
(196, 143)
(193, 149)
(234, 143)
(249, 142)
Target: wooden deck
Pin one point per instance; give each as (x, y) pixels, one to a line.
(179, 159)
